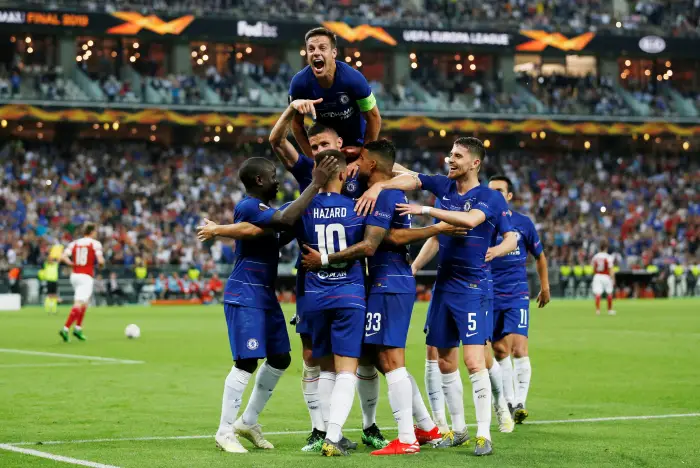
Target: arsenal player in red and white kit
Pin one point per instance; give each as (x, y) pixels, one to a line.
(603, 278)
(81, 254)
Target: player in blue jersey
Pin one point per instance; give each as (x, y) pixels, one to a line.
(391, 296)
(323, 138)
(512, 304)
(333, 300)
(347, 103)
(458, 307)
(256, 325)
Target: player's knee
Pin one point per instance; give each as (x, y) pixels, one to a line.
(248, 365)
(431, 353)
(447, 365)
(501, 349)
(474, 364)
(520, 350)
(280, 361)
(391, 359)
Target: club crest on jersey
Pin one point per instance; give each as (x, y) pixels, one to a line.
(467, 205)
(518, 236)
(351, 186)
(263, 207)
(343, 98)
(252, 344)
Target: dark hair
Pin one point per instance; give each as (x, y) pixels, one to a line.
(338, 155)
(317, 129)
(474, 145)
(385, 149)
(251, 169)
(503, 178)
(89, 228)
(320, 31)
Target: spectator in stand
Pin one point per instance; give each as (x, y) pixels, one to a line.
(111, 88)
(115, 293)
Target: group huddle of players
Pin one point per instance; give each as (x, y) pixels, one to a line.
(355, 282)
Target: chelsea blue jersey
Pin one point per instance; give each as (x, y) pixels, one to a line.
(343, 103)
(461, 260)
(330, 225)
(252, 282)
(389, 270)
(510, 271)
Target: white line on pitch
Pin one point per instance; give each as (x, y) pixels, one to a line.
(207, 436)
(60, 364)
(69, 356)
(58, 458)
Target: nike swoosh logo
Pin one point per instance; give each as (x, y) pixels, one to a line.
(480, 390)
(472, 334)
(371, 334)
(309, 402)
(522, 326)
(433, 393)
(445, 198)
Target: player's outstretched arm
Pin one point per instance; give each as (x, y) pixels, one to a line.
(509, 243)
(407, 181)
(426, 254)
(210, 230)
(313, 260)
(468, 220)
(319, 177)
(411, 235)
(543, 273)
(374, 124)
(300, 135)
(282, 147)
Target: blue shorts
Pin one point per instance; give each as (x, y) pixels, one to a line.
(388, 318)
(511, 318)
(455, 318)
(256, 333)
(336, 331)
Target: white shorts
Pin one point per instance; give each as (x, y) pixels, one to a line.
(82, 285)
(602, 284)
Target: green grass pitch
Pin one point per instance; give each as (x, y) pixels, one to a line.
(642, 362)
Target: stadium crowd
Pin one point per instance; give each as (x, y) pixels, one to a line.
(677, 16)
(648, 205)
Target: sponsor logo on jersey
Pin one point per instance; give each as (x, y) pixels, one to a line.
(346, 114)
(381, 214)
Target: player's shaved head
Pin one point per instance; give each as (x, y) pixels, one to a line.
(252, 169)
(320, 31)
(383, 152)
(317, 129)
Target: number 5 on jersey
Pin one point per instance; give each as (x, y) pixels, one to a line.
(325, 237)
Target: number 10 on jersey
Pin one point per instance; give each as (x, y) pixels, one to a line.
(325, 236)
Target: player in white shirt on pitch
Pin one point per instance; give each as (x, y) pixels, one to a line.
(603, 278)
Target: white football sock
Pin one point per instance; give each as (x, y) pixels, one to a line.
(420, 412)
(235, 385)
(265, 381)
(368, 391)
(454, 396)
(496, 378)
(508, 382)
(341, 404)
(481, 392)
(401, 402)
(523, 373)
(326, 382)
(433, 385)
(309, 385)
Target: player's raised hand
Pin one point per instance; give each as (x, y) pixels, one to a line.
(353, 170)
(409, 208)
(365, 204)
(310, 259)
(207, 231)
(450, 230)
(543, 298)
(352, 151)
(306, 106)
(324, 170)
